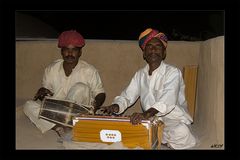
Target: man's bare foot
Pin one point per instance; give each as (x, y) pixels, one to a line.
(59, 130)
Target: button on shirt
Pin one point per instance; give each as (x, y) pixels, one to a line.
(163, 90)
(57, 82)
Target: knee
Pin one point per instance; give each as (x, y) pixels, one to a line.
(27, 106)
(183, 130)
(180, 137)
(30, 106)
(79, 92)
(180, 131)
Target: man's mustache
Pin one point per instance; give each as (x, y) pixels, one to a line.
(153, 55)
(69, 57)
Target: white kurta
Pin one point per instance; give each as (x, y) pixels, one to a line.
(81, 87)
(164, 91)
(57, 82)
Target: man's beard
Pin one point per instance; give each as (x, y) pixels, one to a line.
(153, 56)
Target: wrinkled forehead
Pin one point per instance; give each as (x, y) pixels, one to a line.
(155, 41)
(70, 46)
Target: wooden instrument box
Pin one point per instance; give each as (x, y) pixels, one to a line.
(107, 129)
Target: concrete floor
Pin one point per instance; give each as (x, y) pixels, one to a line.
(29, 137)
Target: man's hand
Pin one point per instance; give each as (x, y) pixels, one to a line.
(136, 118)
(42, 92)
(99, 99)
(109, 110)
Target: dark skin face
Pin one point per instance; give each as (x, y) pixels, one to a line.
(154, 52)
(71, 55)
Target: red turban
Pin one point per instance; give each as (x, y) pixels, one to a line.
(71, 37)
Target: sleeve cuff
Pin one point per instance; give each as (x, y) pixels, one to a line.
(162, 108)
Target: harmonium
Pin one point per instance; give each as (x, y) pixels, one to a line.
(109, 129)
(61, 111)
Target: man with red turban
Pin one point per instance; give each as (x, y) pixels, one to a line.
(68, 78)
(160, 87)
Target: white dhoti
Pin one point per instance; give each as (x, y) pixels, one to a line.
(177, 135)
(79, 93)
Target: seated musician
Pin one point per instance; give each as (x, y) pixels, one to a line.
(160, 87)
(68, 78)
